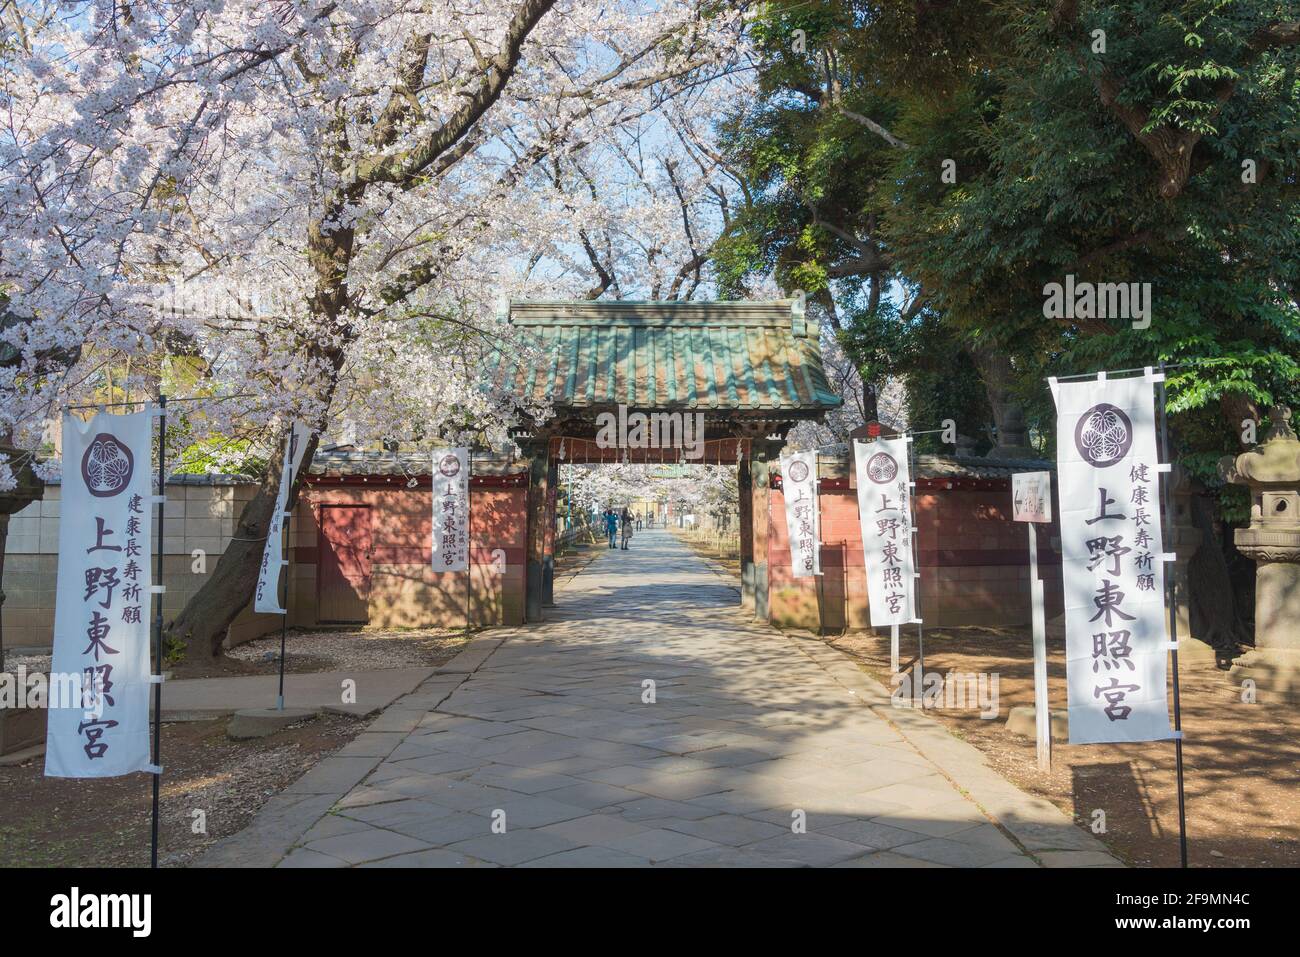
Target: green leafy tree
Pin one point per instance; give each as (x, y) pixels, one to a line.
(933, 169)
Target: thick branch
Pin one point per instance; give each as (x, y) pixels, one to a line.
(405, 168)
(876, 128)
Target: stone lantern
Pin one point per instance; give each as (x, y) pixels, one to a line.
(1272, 470)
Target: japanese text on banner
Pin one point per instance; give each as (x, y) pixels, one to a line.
(1112, 554)
(98, 724)
(885, 513)
(451, 474)
(802, 518)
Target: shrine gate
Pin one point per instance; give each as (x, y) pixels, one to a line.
(751, 370)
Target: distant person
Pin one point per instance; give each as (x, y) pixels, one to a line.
(611, 525)
(638, 521)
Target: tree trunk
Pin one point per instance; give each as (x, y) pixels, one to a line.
(995, 370)
(201, 625)
(870, 402)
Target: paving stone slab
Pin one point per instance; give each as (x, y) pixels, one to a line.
(302, 857)
(357, 847)
(334, 775)
(597, 829)
(953, 853)
(661, 844)
(433, 857)
(590, 856)
(806, 850)
(445, 830)
(514, 847)
(890, 859)
(730, 829)
(273, 831)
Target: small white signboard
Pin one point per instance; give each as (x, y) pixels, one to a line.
(1031, 496)
(1031, 501)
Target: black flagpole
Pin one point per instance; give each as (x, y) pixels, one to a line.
(158, 627)
(909, 438)
(284, 567)
(1171, 596)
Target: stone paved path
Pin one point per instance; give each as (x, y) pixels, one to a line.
(749, 732)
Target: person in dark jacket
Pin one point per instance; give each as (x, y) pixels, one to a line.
(611, 525)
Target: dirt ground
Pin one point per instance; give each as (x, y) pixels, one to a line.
(1241, 762)
(316, 650)
(310, 651)
(53, 822)
(706, 544)
(56, 822)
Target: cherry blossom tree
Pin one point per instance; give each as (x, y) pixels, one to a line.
(710, 488)
(316, 203)
(638, 216)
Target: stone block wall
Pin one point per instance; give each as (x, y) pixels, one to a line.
(199, 522)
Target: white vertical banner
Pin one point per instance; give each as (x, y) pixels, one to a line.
(885, 512)
(267, 598)
(1112, 560)
(802, 515)
(98, 723)
(451, 509)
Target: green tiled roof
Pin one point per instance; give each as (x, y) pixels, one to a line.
(746, 356)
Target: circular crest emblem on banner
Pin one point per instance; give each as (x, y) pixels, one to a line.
(1103, 435)
(107, 465)
(882, 468)
(449, 466)
(798, 470)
